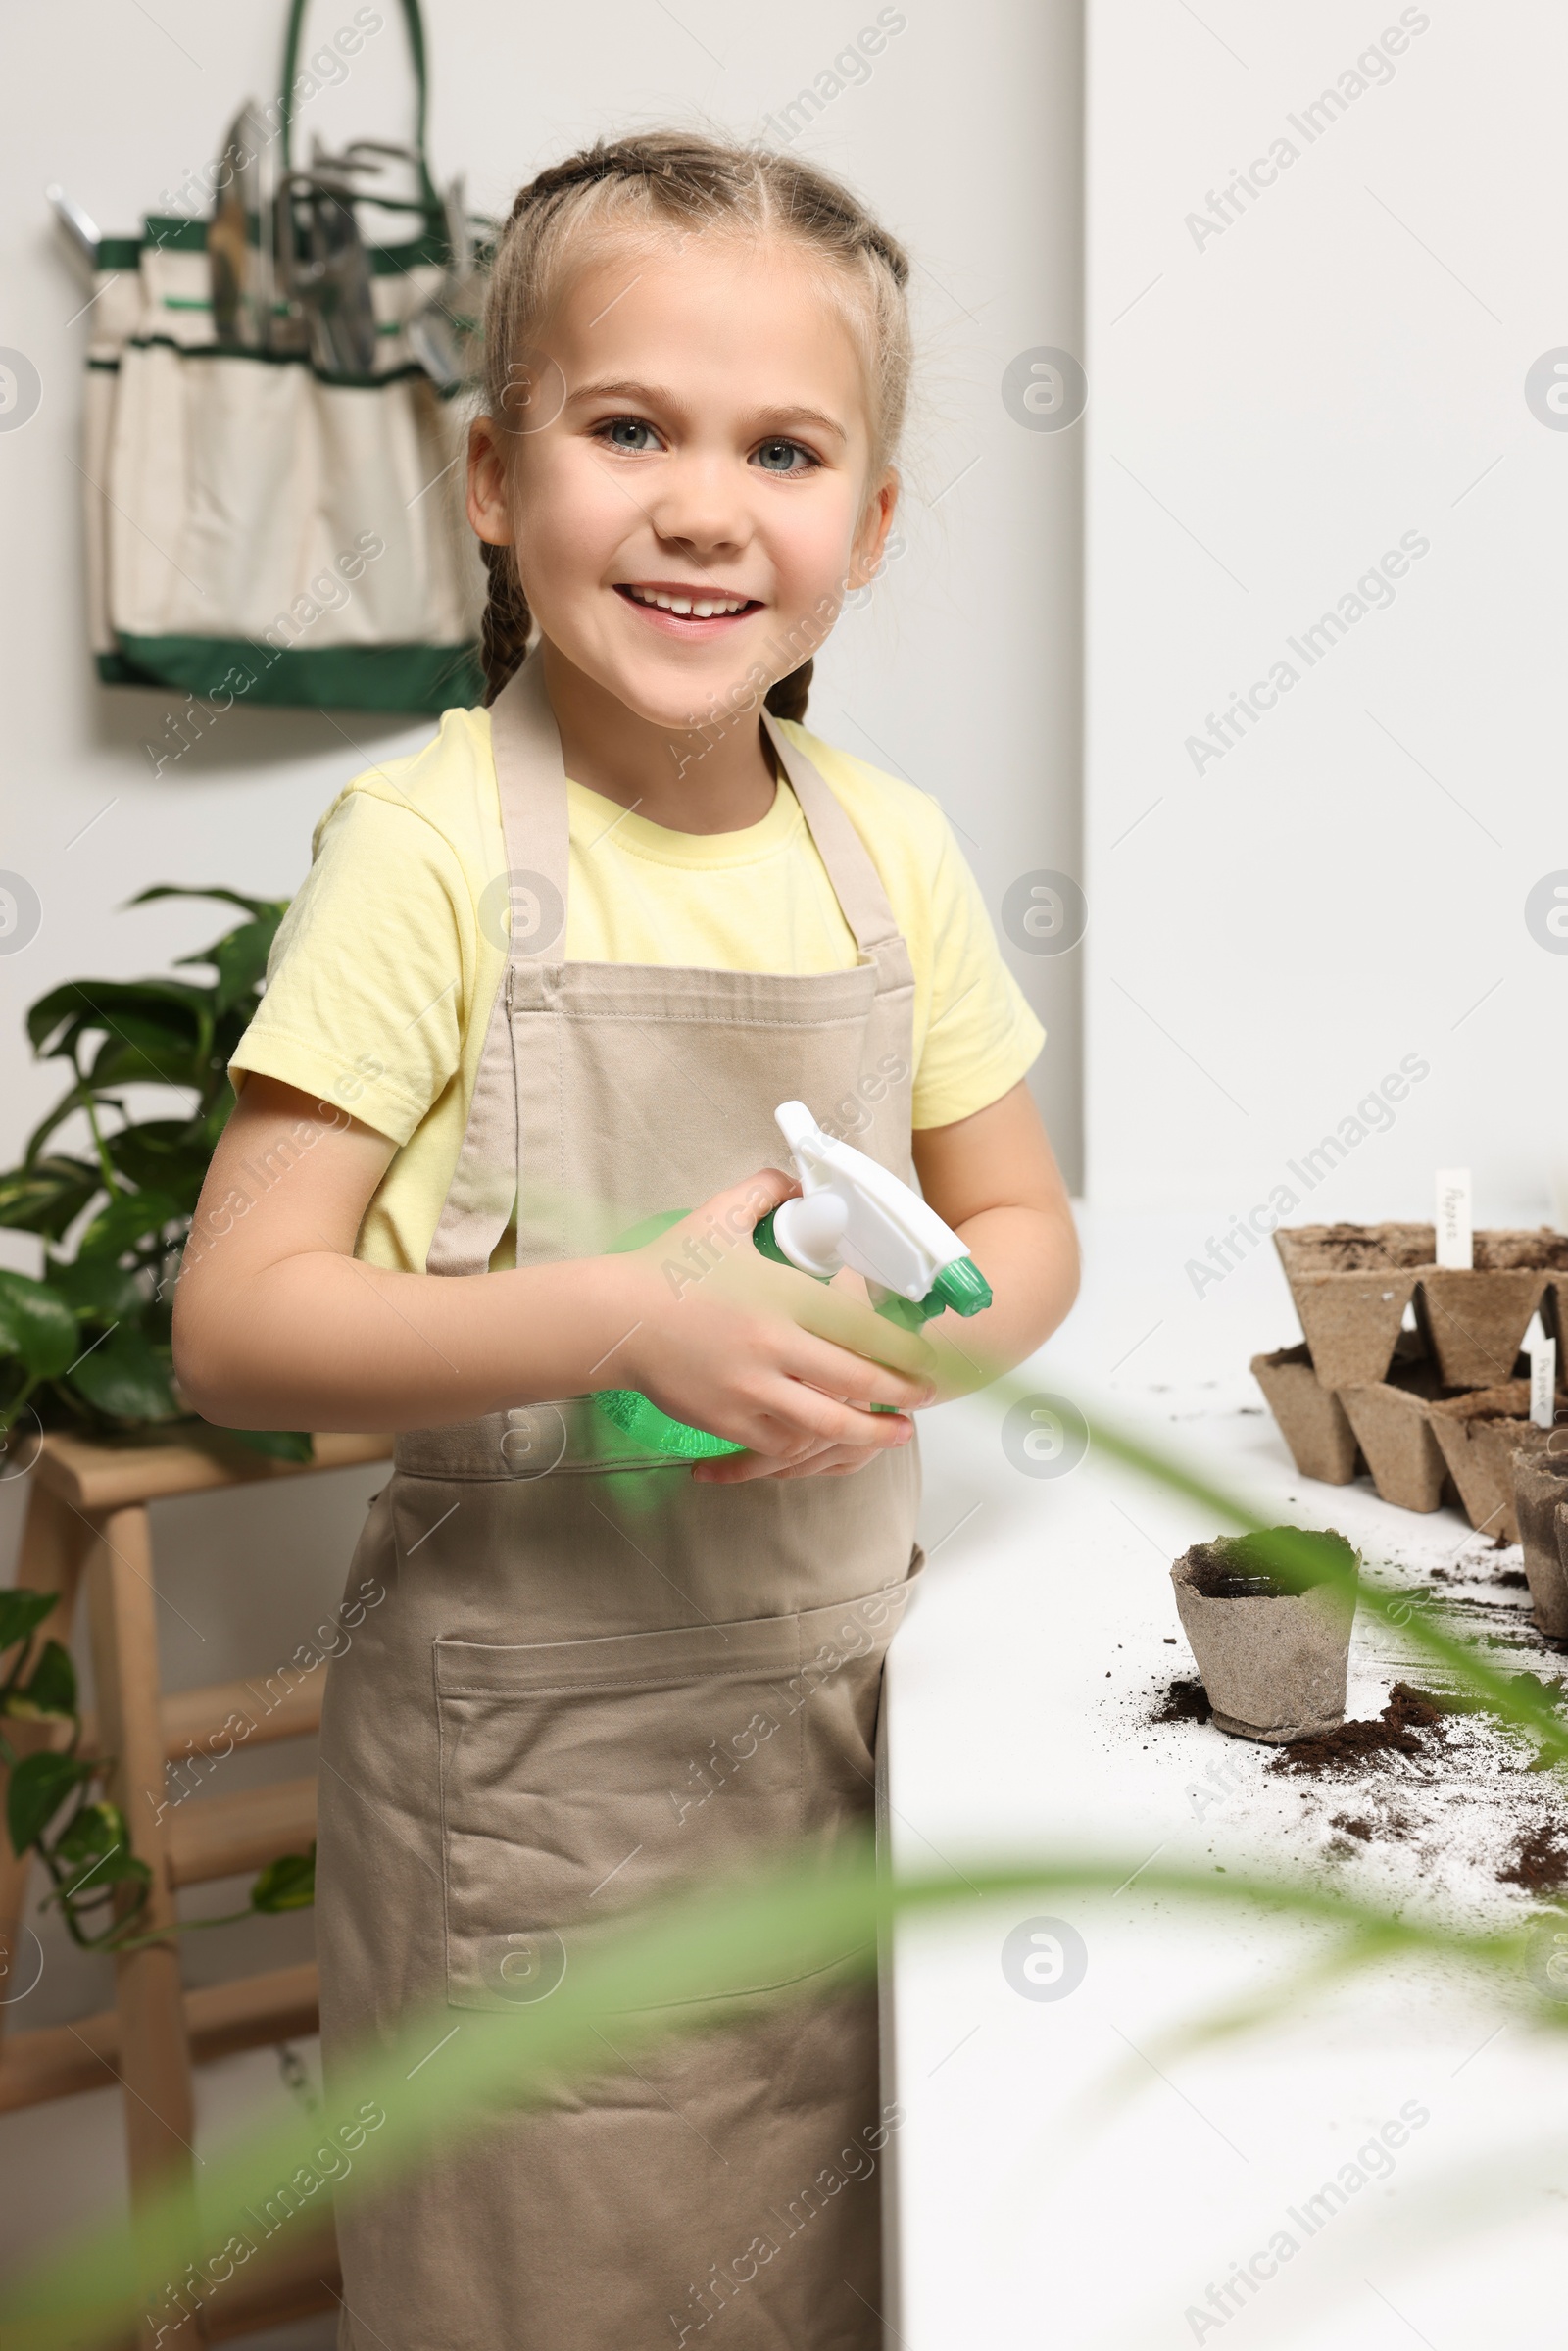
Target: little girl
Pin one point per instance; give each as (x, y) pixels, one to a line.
(548, 978)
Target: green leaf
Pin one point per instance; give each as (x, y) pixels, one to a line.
(50, 1687)
(22, 1612)
(125, 1377)
(127, 1221)
(151, 1052)
(58, 1021)
(278, 1445)
(166, 1155)
(96, 1829)
(288, 1883)
(47, 1196)
(218, 895)
(240, 958)
(38, 1326)
(96, 1289)
(40, 1785)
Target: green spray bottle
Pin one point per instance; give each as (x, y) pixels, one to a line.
(851, 1212)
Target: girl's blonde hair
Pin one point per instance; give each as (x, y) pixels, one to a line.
(672, 181)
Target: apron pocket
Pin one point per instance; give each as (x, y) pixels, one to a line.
(580, 1778)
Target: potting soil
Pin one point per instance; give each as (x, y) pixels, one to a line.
(1396, 1730)
(1540, 1863)
(1231, 1569)
(1185, 1701)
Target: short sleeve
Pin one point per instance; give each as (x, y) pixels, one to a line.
(981, 1037)
(369, 976)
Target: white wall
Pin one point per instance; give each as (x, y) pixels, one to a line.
(1272, 407)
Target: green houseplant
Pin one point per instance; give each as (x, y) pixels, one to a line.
(87, 1345)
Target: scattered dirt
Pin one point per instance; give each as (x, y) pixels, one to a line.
(1513, 1579)
(1233, 1566)
(1399, 1730)
(1540, 1862)
(1365, 1829)
(1185, 1701)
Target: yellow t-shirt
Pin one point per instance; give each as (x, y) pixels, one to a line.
(382, 978)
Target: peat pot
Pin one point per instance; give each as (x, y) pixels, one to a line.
(1273, 1662)
(1311, 1417)
(1541, 1501)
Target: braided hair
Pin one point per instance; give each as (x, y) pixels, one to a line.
(678, 180)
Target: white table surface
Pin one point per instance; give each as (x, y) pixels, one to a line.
(1066, 2175)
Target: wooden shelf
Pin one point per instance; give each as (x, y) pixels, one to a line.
(88, 1526)
(203, 1718)
(59, 2061)
(225, 1837)
(92, 1476)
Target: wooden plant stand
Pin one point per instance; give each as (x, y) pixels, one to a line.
(88, 1517)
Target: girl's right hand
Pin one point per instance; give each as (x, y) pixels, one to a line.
(726, 1340)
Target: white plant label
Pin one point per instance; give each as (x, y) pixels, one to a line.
(1543, 1382)
(1456, 1244)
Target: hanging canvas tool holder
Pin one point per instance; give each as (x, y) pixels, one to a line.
(274, 428)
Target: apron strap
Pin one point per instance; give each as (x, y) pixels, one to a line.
(529, 899)
(531, 779)
(856, 883)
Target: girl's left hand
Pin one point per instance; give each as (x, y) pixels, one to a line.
(825, 1461)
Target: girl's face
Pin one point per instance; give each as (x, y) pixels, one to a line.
(696, 496)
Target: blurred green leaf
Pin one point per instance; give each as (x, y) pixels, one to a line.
(40, 1785)
(50, 1687)
(47, 1196)
(37, 1326)
(149, 1053)
(173, 1008)
(96, 1829)
(22, 1612)
(218, 893)
(287, 1883)
(240, 958)
(278, 1445)
(97, 1290)
(166, 1154)
(125, 1377)
(125, 1222)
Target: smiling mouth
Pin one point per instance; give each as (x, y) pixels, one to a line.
(688, 612)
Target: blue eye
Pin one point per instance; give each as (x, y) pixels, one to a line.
(623, 433)
(778, 457)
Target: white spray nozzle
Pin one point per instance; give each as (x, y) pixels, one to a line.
(853, 1213)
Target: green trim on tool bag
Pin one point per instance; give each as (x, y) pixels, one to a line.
(425, 679)
(175, 232)
(115, 671)
(405, 371)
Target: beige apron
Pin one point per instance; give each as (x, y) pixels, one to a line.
(591, 1679)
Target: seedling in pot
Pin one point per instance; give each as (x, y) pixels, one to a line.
(1269, 1620)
